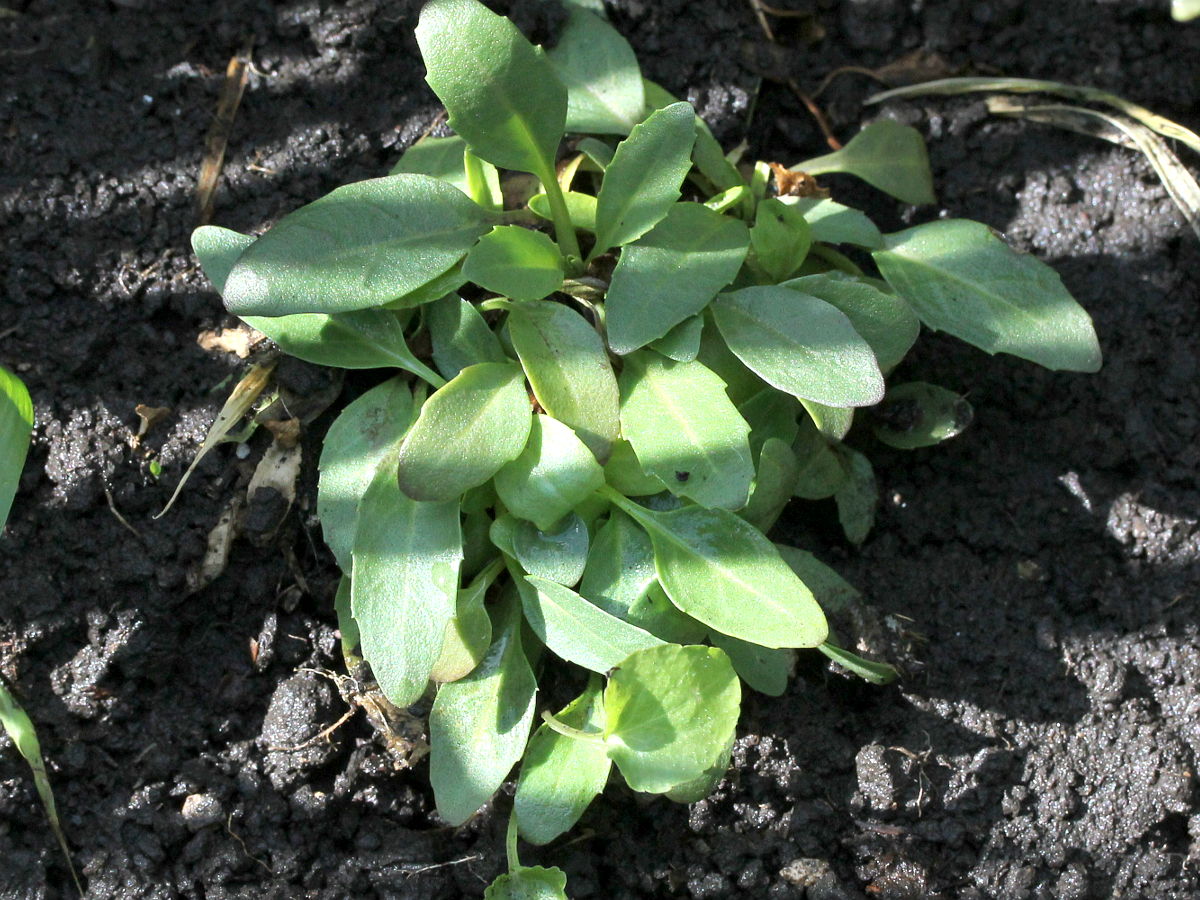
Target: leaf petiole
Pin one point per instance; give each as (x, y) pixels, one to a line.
(567, 731)
(564, 231)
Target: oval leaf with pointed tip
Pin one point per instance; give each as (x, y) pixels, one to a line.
(604, 83)
(670, 712)
(501, 92)
(780, 237)
(685, 430)
(16, 425)
(217, 249)
(671, 274)
(765, 670)
(403, 584)
(722, 571)
(857, 497)
(515, 262)
(800, 344)
(642, 181)
(681, 343)
(886, 155)
(833, 223)
(559, 555)
(919, 414)
(553, 474)
(362, 245)
(469, 631)
(466, 431)
(569, 370)
(560, 775)
(963, 279)
(479, 725)
(885, 321)
(356, 445)
(578, 630)
(460, 336)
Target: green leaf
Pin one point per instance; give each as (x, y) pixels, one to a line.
(351, 651)
(885, 321)
(642, 182)
(503, 535)
(869, 670)
(466, 431)
(16, 426)
(403, 583)
(553, 474)
(707, 154)
(600, 153)
(357, 444)
(569, 370)
(1185, 10)
(217, 249)
(698, 788)
(770, 414)
(820, 472)
(578, 630)
(670, 712)
(558, 555)
(479, 725)
(685, 430)
(501, 93)
(886, 155)
(515, 262)
(483, 182)
(604, 84)
(833, 223)
(625, 473)
(671, 274)
(774, 484)
(443, 158)
(740, 383)
(780, 238)
(620, 579)
(528, 883)
(560, 776)
(832, 421)
(919, 414)
(469, 631)
(459, 335)
(722, 571)
(446, 283)
(800, 344)
(359, 246)
(765, 670)
(857, 496)
(580, 207)
(963, 279)
(365, 339)
(681, 343)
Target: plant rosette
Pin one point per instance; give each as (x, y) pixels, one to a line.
(632, 368)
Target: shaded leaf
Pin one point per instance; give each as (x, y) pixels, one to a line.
(886, 155)
(528, 883)
(918, 414)
(625, 473)
(833, 223)
(460, 336)
(604, 84)
(765, 670)
(469, 631)
(857, 496)
(681, 343)
(558, 554)
(515, 262)
(774, 484)
(552, 475)
(780, 238)
(16, 427)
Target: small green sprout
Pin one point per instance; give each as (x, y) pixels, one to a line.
(629, 373)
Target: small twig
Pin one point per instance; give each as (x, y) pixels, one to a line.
(845, 70)
(816, 112)
(112, 506)
(233, 834)
(411, 869)
(320, 735)
(760, 13)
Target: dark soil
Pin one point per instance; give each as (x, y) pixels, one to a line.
(1043, 569)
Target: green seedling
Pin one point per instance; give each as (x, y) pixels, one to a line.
(627, 375)
(16, 427)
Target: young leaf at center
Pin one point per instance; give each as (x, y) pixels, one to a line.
(515, 262)
(552, 475)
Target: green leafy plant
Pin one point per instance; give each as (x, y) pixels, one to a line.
(626, 372)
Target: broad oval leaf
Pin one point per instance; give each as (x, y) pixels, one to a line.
(919, 414)
(578, 630)
(963, 279)
(681, 343)
(707, 154)
(764, 669)
(685, 430)
(501, 93)
(16, 426)
(479, 725)
(722, 571)
(364, 339)
(217, 249)
(604, 83)
(466, 431)
(356, 445)
(671, 274)
(362, 245)
(552, 475)
(528, 883)
(800, 344)
(557, 555)
(670, 713)
(581, 208)
(515, 262)
(560, 775)
(781, 239)
(403, 584)
(857, 497)
(885, 321)
(642, 181)
(886, 155)
(569, 370)
(460, 336)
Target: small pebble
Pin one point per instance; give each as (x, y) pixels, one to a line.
(202, 810)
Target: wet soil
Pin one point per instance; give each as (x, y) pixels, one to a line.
(1042, 570)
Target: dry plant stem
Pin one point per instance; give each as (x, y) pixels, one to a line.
(236, 74)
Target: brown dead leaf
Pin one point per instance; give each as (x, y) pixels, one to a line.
(239, 341)
(236, 74)
(796, 184)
